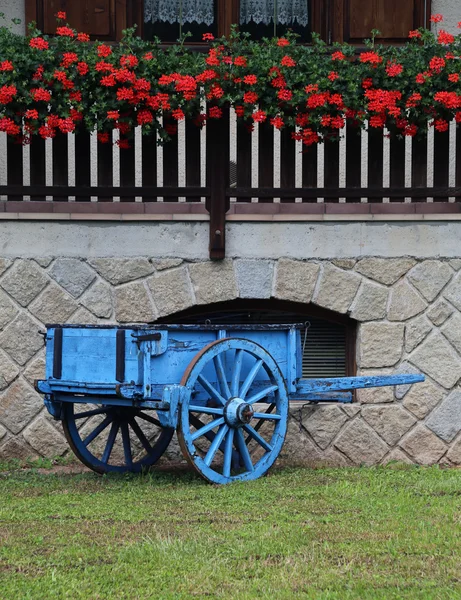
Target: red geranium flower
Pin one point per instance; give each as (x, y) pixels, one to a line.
(250, 79)
(338, 56)
(215, 112)
(61, 15)
(414, 34)
(113, 115)
(333, 76)
(438, 18)
(259, 116)
(40, 95)
(445, 38)
(283, 42)
(83, 37)
(103, 138)
(277, 122)
(371, 57)
(287, 61)
(394, 69)
(39, 43)
(6, 65)
(250, 97)
(208, 37)
(65, 32)
(240, 61)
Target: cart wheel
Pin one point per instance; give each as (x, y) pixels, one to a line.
(114, 439)
(233, 426)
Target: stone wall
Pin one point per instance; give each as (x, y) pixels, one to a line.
(408, 310)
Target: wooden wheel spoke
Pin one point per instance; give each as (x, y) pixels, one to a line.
(211, 389)
(206, 428)
(222, 380)
(228, 449)
(235, 383)
(262, 394)
(110, 442)
(207, 410)
(90, 413)
(250, 378)
(152, 420)
(243, 450)
(267, 417)
(98, 430)
(215, 444)
(260, 423)
(140, 435)
(252, 433)
(126, 444)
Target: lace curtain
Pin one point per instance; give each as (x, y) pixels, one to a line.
(175, 11)
(202, 11)
(262, 11)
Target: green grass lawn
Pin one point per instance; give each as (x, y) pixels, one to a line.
(388, 533)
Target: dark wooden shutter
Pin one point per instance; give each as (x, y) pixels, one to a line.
(353, 20)
(101, 19)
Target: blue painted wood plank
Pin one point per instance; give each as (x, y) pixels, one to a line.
(337, 384)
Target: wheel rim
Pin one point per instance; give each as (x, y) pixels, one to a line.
(115, 439)
(233, 426)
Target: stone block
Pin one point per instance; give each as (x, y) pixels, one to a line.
(21, 339)
(122, 270)
(439, 312)
(213, 281)
(398, 456)
(53, 305)
(24, 281)
(381, 395)
(370, 303)
(98, 300)
(361, 444)
(19, 405)
(416, 331)
(423, 446)
(82, 317)
(430, 277)
(16, 447)
(43, 261)
(389, 422)
(345, 263)
(337, 289)
(405, 302)
(5, 263)
(2, 432)
(405, 368)
(254, 278)
(324, 423)
(452, 331)
(454, 454)
(45, 439)
(36, 369)
(171, 291)
(445, 420)
(350, 410)
(295, 280)
(436, 358)
(298, 449)
(422, 398)
(8, 371)
(7, 310)
(166, 263)
(132, 304)
(385, 270)
(74, 275)
(453, 292)
(455, 263)
(381, 344)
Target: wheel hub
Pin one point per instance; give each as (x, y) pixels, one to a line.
(237, 412)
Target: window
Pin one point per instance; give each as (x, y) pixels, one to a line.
(335, 20)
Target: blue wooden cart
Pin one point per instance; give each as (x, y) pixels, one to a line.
(122, 391)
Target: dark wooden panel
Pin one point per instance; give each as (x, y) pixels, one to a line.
(127, 170)
(441, 160)
(60, 163)
(14, 173)
(217, 170)
(82, 162)
(419, 164)
(397, 165)
(149, 163)
(266, 157)
(244, 157)
(170, 164)
(105, 169)
(193, 161)
(309, 169)
(287, 161)
(458, 157)
(375, 161)
(95, 17)
(353, 158)
(37, 164)
(331, 166)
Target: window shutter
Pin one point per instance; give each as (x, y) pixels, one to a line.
(354, 19)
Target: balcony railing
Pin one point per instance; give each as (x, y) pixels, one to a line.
(225, 168)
